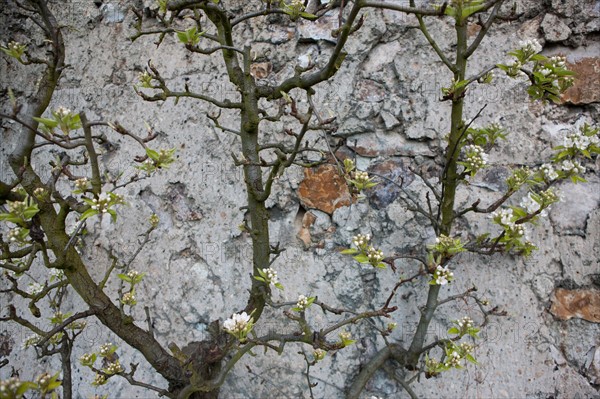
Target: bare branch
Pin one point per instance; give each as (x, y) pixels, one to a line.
(485, 28)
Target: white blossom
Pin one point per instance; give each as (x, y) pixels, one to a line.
(63, 111)
(132, 274)
(82, 183)
(442, 275)
(531, 46)
(57, 274)
(475, 157)
(530, 204)
(302, 302)
(128, 299)
(271, 276)
(237, 323)
(319, 354)
(465, 322)
(375, 256)
(361, 239)
(572, 166)
(31, 340)
(345, 336)
(453, 359)
(504, 216)
(549, 172)
(576, 140)
(35, 288)
(558, 61)
(106, 349)
(114, 368)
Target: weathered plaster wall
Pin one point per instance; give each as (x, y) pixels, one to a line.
(386, 97)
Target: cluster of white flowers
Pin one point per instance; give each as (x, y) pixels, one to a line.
(580, 141)
(558, 61)
(431, 364)
(128, 298)
(375, 255)
(42, 380)
(132, 274)
(57, 274)
(465, 323)
(475, 157)
(16, 207)
(144, 77)
(39, 192)
(453, 359)
(518, 177)
(82, 183)
(35, 288)
(466, 348)
(515, 68)
(302, 302)
(361, 177)
(444, 241)
(495, 126)
(345, 336)
(86, 358)
(154, 220)
(106, 349)
(14, 45)
(572, 166)
(99, 379)
(531, 205)
(505, 216)
(549, 172)
(550, 196)
(9, 386)
(59, 316)
(545, 71)
(14, 235)
(114, 368)
(63, 111)
(237, 323)
(517, 230)
(360, 240)
(319, 354)
(271, 276)
(442, 275)
(101, 203)
(531, 46)
(149, 163)
(31, 340)
(299, 4)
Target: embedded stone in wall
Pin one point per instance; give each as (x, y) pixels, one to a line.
(586, 89)
(183, 207)
(386, 192)
(261, 70)
(389, 120)
(320, 29)
(324, 189)
(369, 91)
(578, 303)
(372, 145)
(113, 13)
(571, 214)
(593, 371)
(304, 234)
(554, 29)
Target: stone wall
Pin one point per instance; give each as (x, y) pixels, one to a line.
(386, 99)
